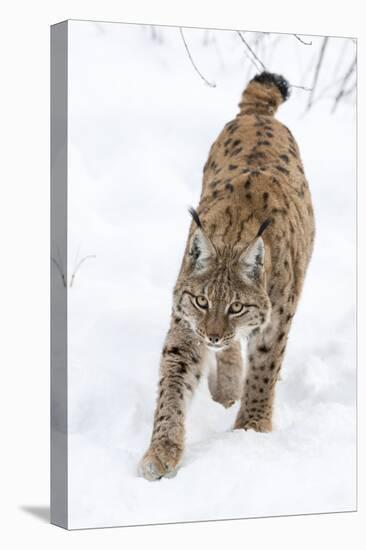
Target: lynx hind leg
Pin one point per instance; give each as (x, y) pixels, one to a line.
(226, 385)
(265, 355)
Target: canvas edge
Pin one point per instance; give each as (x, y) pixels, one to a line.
(59, 443)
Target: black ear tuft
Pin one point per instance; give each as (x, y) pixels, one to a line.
(195, 216)
(264, 226)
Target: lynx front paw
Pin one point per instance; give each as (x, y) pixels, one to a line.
(225, 395)
(159, 461)
(224, 400)
(257, 424)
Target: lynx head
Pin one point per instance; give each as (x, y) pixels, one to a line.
(221, 291)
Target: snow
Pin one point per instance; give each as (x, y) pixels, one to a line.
(141, 122)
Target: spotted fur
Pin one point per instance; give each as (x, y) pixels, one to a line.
(250, 243)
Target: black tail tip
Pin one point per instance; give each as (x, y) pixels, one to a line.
(275, 79)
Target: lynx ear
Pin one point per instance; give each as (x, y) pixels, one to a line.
(252, 259)
(200, 248)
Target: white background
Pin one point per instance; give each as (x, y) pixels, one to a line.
(25, 274)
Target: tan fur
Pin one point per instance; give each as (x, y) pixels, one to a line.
(253, 173)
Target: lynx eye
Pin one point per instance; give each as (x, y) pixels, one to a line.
(202, 302)
(235, 307)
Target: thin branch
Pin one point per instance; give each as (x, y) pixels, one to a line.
(273, 46)
(342, 92)
(100, 27)
(303, 41)
(206, 37)
(262, 50)
(350, 90)
(301, 88)
(219, 55)
(345, 94)
(326, 89)
(251, 51)
(78, 267)
(307, 72)
(338, 64)
(262, 64)
(59, 269)
(211, 84)
(77, 255)
(317, 71)
(248, 56)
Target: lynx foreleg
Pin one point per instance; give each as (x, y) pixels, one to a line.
(180, 371)
(229, 373)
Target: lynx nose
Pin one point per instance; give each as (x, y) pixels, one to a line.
(214, 338)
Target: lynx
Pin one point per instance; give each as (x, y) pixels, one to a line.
(243, 269)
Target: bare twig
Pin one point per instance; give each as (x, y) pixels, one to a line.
(338, 65)
(345, 94)
(308, 69)
(262, 64)
(206, 37)
(211, 84)
(274, 44)
(99, 27)
(263, 48)
(78, 267)
(59, 269)
(251, 51)
(350, 90)
(219, 54)
(342, 92)
(301, 87)
(77, 255)
(326, 89)
(153, 32)
(303, 41)
(317, 71)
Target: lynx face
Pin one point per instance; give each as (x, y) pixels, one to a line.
(223, 296)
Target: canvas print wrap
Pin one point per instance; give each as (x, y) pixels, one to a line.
(203, 274)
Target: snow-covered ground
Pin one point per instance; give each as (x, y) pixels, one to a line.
(141, 122)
